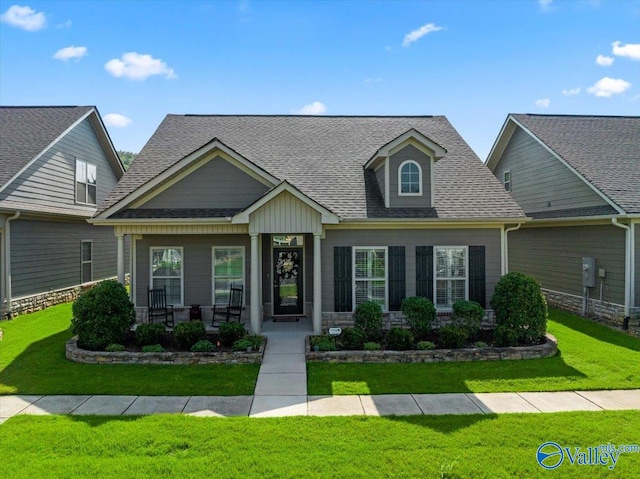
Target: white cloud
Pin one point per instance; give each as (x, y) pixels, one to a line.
(545, 5)
(606, 87)
(572, 91)
(116, 119)
(66, 24)
(604, 61)
(630, 50)
(315, 108)
(25, 18)
(70, 52)
(137, 66)
(418, 33)
(543, 103)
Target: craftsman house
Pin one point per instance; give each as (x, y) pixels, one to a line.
(578, 177)
(311, 215)
(56, 165)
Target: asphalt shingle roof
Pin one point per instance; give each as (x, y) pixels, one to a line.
(324, 156)
(605, 150)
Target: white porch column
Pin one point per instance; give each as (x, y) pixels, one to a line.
(255, 285)
(317, 285)
(120, 260)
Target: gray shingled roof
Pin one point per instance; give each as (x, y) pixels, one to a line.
(605, 150)
(26, 131)
(323, 156)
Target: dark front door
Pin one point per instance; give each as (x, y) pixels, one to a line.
(287, 284)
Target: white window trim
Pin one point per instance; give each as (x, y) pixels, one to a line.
(82, 262)
(354, 279)
(181, 270)
(436, 278)
(86, 183)
(505, 182)
(400, 193)
(213, 271)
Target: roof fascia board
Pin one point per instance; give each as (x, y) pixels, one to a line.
(501, 142)
(421, 141)
(158, 221)
(574, 220)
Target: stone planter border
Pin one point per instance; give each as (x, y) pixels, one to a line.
(548, 349)
(74, 353)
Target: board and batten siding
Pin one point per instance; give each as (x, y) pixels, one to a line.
(489, 237)
(409, 152)
(216, 184)
(285, 214)
(554, 257)
(50, 180)
(539, 179)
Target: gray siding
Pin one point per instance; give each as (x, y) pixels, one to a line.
(554, 257)
(409, 152)
(217, 184)
(410, 239)
(50, 181)
(45, 255)
(381, 180)
(539, 179)
(637, 266)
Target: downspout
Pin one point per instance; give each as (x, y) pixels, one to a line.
(627, 265)
(7, 262)
(505, 246)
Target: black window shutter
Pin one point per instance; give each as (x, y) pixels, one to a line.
(424, 271)
(397, 282)
(477, 281)
(342, 292)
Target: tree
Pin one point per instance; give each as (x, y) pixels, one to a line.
(126, 157)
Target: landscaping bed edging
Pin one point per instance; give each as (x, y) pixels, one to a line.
(548, 349)
(74, 353)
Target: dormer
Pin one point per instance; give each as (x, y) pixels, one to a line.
(404, 170)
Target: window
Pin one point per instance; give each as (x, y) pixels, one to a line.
(166, 270)
(86, 261)
(451, 275)
(506, 177)
(410, 179)
(370, 278)
(86, 183)
(228, 270)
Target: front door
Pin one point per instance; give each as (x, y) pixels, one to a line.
(287, 284)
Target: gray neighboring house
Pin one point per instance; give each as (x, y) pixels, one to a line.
(312, 215)
(56, 165)
(578, 177)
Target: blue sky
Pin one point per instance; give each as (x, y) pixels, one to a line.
(472, 61)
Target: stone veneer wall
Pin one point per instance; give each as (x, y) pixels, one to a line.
(548, 349)
(396, 319)
(74, 353)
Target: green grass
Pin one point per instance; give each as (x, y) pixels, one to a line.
(32, 361)
(591, 356)
(347, 447)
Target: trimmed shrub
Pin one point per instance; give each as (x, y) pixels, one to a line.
(480, 344)
(420, 313)
(372, 346)
(327, 344)
(153, 348)
(352, 338)
(115, 347)
(399, 339)
(188, 333)
(453, 336)
(231, 332)
(520, 306)
(506, 336)
(242, 345)
(102, 315)
(468, 315)
(368, 319)
(203, 346)
(256, 341)
(150, 333)
(423, 345)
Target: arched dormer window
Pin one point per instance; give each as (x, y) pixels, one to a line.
(409, 179)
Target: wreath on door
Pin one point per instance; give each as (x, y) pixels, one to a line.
(287, 265)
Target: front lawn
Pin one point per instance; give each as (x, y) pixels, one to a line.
(32, 361)
(478, 446)
(591, 356)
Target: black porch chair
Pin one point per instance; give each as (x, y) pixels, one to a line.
(158, 307)
(231, 310)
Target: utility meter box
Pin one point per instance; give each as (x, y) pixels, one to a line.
(589, 272)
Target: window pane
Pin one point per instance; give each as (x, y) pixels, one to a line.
(86, 251)
(174, 295)
(449, 291)
(288, 240)
(81, 172)
(91, 194)
(370, 263)
(228, 262)
(166, 262)
(370, 291)
(450, 262)
(91, 174)
(86, 272)
(81, 193)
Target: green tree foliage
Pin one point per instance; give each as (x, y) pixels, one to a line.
(126, 157)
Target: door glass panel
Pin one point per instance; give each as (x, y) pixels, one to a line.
(287, 271)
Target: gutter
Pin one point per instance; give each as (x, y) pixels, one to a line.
(7, 263)
(628, 264)
(505, 247)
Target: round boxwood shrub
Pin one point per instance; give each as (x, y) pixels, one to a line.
(188, 333)
(242, 345)
(352, 338)
(399, 339)
(102, 315)
(115, 348)
(520, 306)
(468, 315)
(368, 319)
(231, 332)
(372, 346)
(505, 336)
(203, 346)
(425, 345)
(150, 333)
(420, 313)
(153, 348)
(452, 336)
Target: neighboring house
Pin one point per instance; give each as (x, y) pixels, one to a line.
(312, 215)
(56, 165)
(578, 177)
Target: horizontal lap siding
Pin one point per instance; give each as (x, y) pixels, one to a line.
(637, 266)
(410, 152)
(554, 257)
